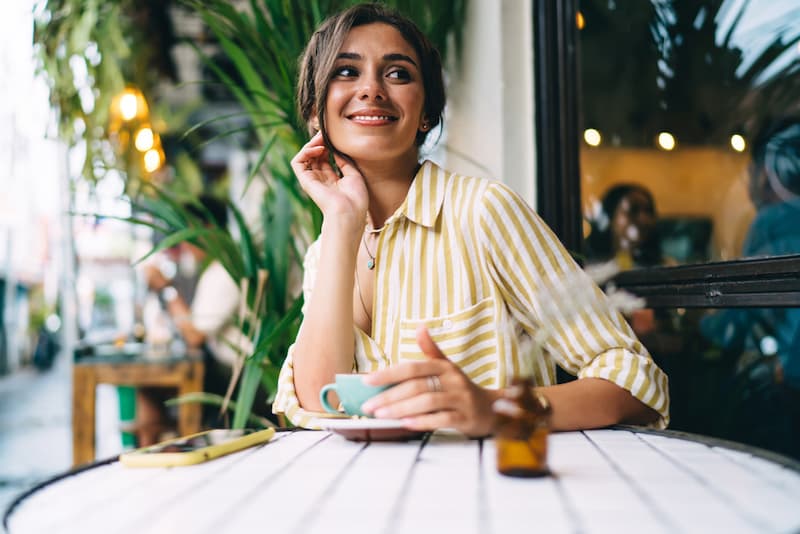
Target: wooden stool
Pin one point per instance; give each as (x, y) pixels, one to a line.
(185, 374)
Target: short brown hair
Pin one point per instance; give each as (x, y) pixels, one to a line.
(317, 62)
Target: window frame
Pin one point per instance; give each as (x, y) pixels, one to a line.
(750, 282)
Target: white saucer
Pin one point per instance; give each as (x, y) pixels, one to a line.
(356, 423)
(366, 429)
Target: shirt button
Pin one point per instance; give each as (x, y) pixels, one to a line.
(447, 324)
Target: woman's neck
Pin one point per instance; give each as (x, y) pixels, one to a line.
(387, 184)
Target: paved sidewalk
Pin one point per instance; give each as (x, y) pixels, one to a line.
(35, 439)
(35, 427)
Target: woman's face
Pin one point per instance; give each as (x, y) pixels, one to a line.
(633, 221)
(376, 97)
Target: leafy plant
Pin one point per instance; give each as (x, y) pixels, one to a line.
(268, 317)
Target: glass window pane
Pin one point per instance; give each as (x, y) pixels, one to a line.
(733, 373)
(675, 97)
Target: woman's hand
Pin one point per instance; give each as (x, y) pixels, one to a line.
(432, 394)
(333, 195)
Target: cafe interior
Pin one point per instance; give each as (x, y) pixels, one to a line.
(661, 137)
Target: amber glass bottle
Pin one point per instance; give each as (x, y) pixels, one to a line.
(522, 424)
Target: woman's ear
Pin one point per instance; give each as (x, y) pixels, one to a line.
(425, 125)
(314, 122)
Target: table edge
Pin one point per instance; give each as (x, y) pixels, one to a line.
(775, 457)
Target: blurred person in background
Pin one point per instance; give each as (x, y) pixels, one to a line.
(205, 322)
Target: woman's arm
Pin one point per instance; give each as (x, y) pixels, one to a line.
(325, 344)
(594, 403)
(460, 404)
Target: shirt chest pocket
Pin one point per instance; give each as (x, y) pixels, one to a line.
(468, 337)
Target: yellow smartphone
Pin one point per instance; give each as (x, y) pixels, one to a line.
(196, 448)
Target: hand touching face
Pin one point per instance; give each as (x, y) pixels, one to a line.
(335, 196)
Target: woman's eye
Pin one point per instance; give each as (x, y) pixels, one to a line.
(345, 72)
(400, 74)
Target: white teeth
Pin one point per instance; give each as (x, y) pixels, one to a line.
(372, 117)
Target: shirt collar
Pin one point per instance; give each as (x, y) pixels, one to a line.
(425, 196)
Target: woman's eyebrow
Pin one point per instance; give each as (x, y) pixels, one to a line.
(388, 57)
(399, 57)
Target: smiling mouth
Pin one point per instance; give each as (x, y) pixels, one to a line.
(372, 118)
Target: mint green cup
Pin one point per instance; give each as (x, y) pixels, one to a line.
(352, 392)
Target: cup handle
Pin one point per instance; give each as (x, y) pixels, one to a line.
(323, 398)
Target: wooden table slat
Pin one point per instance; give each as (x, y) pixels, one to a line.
(367, 491)
(247, 471)
(296, 488)
(751, 498)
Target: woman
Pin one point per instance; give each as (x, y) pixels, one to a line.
(426, 279)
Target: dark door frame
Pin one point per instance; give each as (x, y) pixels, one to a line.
(556, 119)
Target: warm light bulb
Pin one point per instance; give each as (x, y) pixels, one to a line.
(144, 140)
(738, 143)
(127, 106)
(152, 160)
(592, 137)
(666, 141)
(580, 22)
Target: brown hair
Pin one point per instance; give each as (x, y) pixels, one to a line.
(317, 62)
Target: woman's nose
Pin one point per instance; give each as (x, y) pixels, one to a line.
(372, 89)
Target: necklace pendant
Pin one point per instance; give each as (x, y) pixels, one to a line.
(370, 264)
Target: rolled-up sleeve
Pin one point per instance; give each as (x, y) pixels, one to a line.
(560, 307)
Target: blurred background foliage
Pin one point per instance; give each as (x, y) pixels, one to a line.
(92, 50)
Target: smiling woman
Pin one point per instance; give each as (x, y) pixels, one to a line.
(433, 282)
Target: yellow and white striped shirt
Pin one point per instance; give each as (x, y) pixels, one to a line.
(470, 260)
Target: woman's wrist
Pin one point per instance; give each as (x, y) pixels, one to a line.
(345, 223)
(342, 230)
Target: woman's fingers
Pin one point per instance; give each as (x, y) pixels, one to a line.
(435, 421)
(309, 158)
(428, 345)
(400, 392)
(406, 371)
(423, 403)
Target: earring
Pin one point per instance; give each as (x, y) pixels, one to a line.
(425, 126)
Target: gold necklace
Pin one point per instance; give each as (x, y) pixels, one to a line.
(371, 261)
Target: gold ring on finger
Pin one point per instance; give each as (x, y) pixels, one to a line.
(434, 384)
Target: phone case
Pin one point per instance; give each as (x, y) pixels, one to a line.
(141, 458)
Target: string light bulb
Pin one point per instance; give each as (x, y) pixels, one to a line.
(128, 106)
(580, 22)
(152, 160)
(738, 143)
(144, 139)
(666, 141)
(592, 137)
